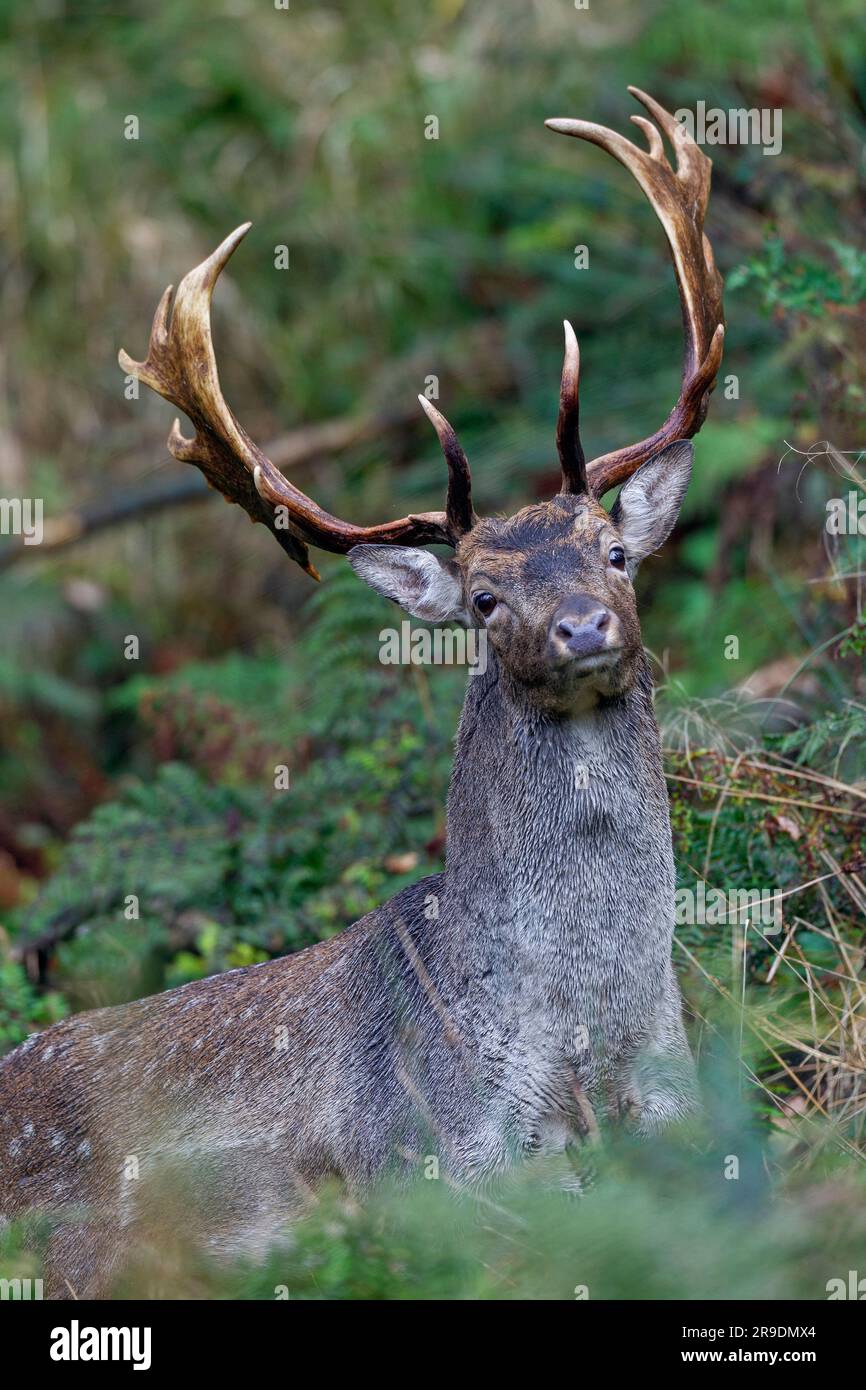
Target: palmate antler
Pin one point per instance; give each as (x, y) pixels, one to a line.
(679, 199)
(181, 366)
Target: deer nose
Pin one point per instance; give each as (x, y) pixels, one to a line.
(580, 626)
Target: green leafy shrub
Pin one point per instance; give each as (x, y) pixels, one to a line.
(22, 1009)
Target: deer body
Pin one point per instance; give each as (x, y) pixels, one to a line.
(484, 1013)
(469, 1031)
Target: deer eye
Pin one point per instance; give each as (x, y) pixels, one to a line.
(485, 603)
(616, 556)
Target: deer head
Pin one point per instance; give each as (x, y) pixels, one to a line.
(551, 585)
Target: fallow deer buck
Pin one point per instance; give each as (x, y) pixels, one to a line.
(541, 982)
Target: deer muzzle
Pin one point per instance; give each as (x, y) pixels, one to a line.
(582, 627)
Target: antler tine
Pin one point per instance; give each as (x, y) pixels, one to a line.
(458, 506)
(571, 456)
(679, 199)
(181, 366)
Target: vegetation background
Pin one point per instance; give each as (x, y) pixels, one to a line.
(453, 257)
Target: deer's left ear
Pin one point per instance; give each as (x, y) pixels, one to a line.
(648, 504)
(424, 585)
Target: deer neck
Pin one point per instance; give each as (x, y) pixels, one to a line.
(541, 810)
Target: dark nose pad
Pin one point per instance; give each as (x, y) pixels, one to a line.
(580, 625)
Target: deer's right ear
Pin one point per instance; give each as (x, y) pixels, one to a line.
(424, 585)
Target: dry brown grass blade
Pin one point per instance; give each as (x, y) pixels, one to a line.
(766, 796)
(764, 1036)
